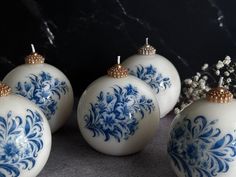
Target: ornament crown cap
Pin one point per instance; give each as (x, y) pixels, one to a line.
(147, 49)
(4, 89)
(34, 58)
(219, 94)
(117, 71)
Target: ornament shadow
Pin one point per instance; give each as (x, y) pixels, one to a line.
(72, 156)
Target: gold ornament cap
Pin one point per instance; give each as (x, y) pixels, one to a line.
(34, 58)
(147, 49)
(219, 94)
(117, 71)
(4, 89)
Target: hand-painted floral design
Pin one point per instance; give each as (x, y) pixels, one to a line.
(44, 90)
(198, 149)
(152, 77)
(20, 142)
(115, 114)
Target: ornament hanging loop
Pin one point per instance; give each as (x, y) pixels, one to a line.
(32, 47)
(221, 81)
(147, 41)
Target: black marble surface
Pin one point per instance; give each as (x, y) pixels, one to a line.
(187, 32)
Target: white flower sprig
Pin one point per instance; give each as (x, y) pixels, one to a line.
(196, 87)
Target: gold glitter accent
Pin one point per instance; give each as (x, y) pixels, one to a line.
(147, 49)
(34, 58)
(4, 89)
(117, 71)
(219, 95)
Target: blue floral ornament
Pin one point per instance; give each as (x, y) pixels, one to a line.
(20, 142)
(114, 114)
(153, 78)
(196, 147)
(43, 90)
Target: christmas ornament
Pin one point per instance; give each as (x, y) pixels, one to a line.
(118, 114)
(158, 73)
(25, 137)
(44, 85)
(203, 137)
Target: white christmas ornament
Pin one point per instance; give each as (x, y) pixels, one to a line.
(25, 136)
(44, 85)
(118, 114)
(159, 73)
(202, 140)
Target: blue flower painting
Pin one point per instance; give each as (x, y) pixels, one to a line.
(20, 142)
(152, 77)
(115, 113)
(44, 90)
(199, 149)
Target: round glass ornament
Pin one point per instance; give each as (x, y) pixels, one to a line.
(44, 85)
(159, 73)
(118, 114)
(25, 136)
(202, 138)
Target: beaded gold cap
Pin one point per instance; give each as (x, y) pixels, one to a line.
(34, 58)
(117, 71)
(219, 94)
(4, 89)
(147, 49)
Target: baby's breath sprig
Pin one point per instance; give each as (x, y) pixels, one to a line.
(196, 87)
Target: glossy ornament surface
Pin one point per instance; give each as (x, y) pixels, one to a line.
(25, 137)
(118, 114)
(203, 137)
(159, 73)
(44, 85)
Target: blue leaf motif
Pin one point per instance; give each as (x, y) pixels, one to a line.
(19, 143)
(152, 77)
(10, 170)
(207, 134)
(197, 147)
(218, 143)
(43, 90)
(101, 97)
(113, 115)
